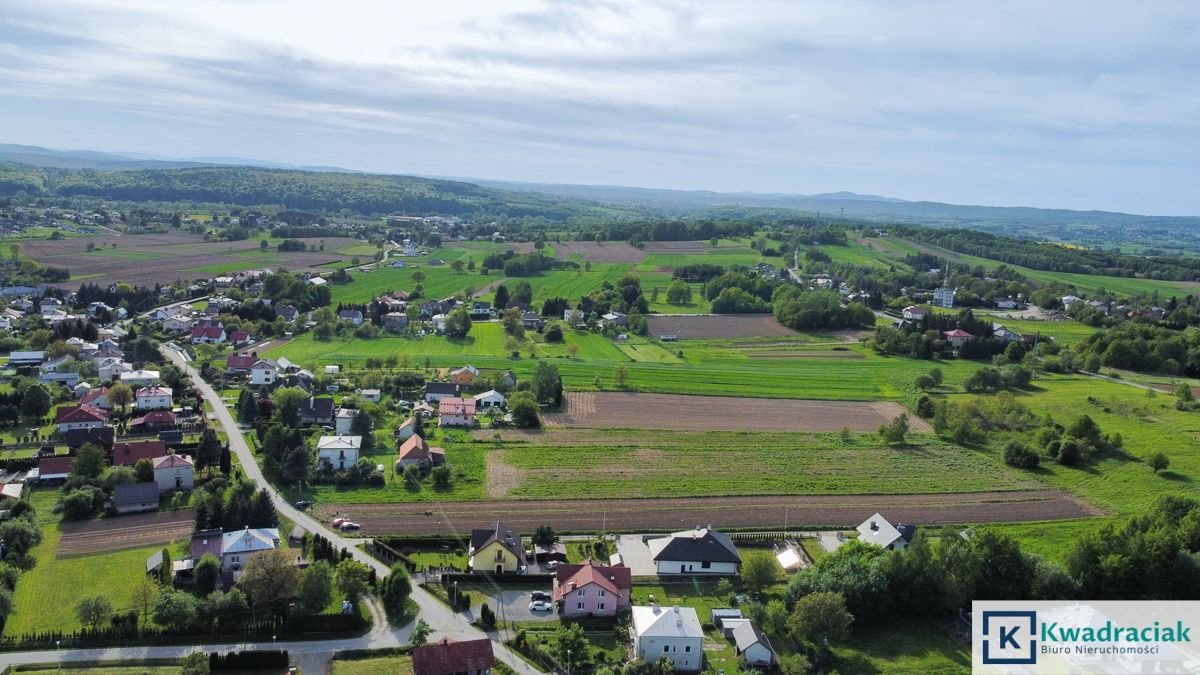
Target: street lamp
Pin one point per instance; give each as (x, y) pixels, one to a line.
(568, 662)
(274, 639)
(58, 649)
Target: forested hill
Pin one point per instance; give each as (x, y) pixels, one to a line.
(249, 186)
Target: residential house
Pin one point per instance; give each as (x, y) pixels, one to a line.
(699, 551)
(239, 364)
(97, 398)
(615, 319)
(416, 452)
(436, 391)
(915, 313)
(82, 389)
(338, 452)
(944, 297)
(439, 322)
(173, 472)
(956, 337)
(372, 395)
(395, 322)
(495, 549)
(208, 335)
(54, 469)
(456, 412)
(317, 411)
(264, 372)
(1001, 333)
(157, 420)
(26, 359)
(239, 545)
(574, 317)
(177, 324)
(877, 530)
(481, 311)
(140, 378)
(343, 420)
(532, 320)
(447, 657)
(54, 365)
(288, 312)
(239, 337)
(68, 380)
(674, 633)
(1068, 300)
(49, 305)
(111, 368)
(405, 430)
(77, 438)
(81, 416)
(591, 589)
(135, 498)
(752, 645)
(1007, 303)
(465, 376)
(354, 316)
(129, 454)
(490, 399)
(154, 398)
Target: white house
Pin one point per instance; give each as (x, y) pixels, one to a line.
(239, 545)
(340, 452)
(140, 378)
(877, 530)
(490, 399)
(574, 317)
(153, 398)
(915, 313)
(264, 372)
(173, 472)
(1068, 300)
(699, 551)
(674, 633)
(372, 395)
(752, 645)
(109, 368)
(343, 420)
(82, 416)
(177, 324)
(406, 429)
(944, 297)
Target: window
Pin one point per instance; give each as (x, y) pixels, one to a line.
(600, 606)
(687, 649)
(579, 605)
(705, 565)
(666, 649)
(600, 593)
(581, 593)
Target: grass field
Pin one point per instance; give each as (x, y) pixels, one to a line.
(440, 282)
(466, 461)
(910, 646)
(381, 665)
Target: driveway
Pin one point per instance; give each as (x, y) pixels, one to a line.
(636, 555)
(830, 541)
(514, 606)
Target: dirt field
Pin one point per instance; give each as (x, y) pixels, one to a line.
(608, 252)
(678, 247)
(717, 326)
(120, 532)
(638, 515)
(144, 259)
(607, 410)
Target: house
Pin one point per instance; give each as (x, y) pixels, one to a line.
(54, 365)
(112, 368)
(495, 549)
(154, 398)
(481, 311)
(944, 297)
(208, 335)
(354, 316)
(915, 313)
(1001, 333)
(239, 545)
(877, 530)
(439, 323)
(157, 420)
(140, 378)
(12, 490)
(532, 320)
(173, 472)
(395, 322)
(436, 391)
(343, 420)
(699, 551)
(591, 589)
(1068, 300)
(239, 364)
(674, 633)
(81, 416)
(447, 657)
(288, 312)
(264, 372)
(26, 359)
(717, 616)
(49, 305)
(1006, 303)
(68, 380)
(405, 430)
(465, 376)
(239, 337)
(317, 411)
(339, 452)
(574, 317)
(77, 438)
(490, 399)
(615, 319)
(135, 498)
(508, 380)
(129, 454)
(177, 324)
(752, 645)
(956, 337)
(372, 395)
(318, 281)
(82, 389)
(456, 412)
(54, 469)
(416, 452)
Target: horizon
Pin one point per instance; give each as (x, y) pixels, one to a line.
(992, 106)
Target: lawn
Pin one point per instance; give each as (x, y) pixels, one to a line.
(46, 595)
(466, 460)
(909, 646)
(440, 282)
(634, 463)
(485, 339)
(380, 665)
(99, 670)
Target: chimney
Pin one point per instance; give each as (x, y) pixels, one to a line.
(874, 525)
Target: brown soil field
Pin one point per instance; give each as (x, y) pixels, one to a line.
(608, 252)
(168, 257)
(716, 326)
(639, 515)
(121, 532)
(609, 410)
(687, 247)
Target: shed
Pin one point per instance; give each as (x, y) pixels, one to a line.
(296, 537)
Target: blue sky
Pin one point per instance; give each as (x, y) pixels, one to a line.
(1086, 105)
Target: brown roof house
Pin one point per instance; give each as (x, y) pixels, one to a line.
(591, 589)
(416, 452)
(446, 657)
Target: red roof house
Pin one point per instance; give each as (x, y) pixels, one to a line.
(155, 421)
(208, 334)
(80, 417)
(237, 337)
(415, 451)
(591, 589)
(54, 468)
(446, 657)
(128, 454)
(957, 336)
(235, 363)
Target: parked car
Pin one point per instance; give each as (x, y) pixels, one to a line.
(541, 606)
(539, 595)
(337, 522)
(349, 526)
(303, 504)
(552, 565)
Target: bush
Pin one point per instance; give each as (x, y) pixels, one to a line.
(554, 334)
(1069, 453)
(1020, 455)
(79, 504)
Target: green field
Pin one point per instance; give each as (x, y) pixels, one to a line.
(909, 646)
(440, 282)
(381, 665)
(466, 461)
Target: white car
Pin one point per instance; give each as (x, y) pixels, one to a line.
(552, 565)
(348, 526)
(541, 606)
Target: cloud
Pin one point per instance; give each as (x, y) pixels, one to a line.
(1086, 105)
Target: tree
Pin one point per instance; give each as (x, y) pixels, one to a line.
(93, 611)
(572, 350)
(458, 323)
(207, 573)
(420, 634)
(679, 293)
(35, 402)
(145, 595)
(820, 618)
(501, 300)
(394, 591)
(176, 610)
(524, 410)
(287, 402)
(270, 577)
(457, 267)
(350, 577)
(316, 587)
(441, 475)
(226, 460)
(363, 425)
(195, 663)
(1159, 461)
(247, 407)
(143, 471)
(759, 573)
(90, 462)
(418, 277)
(544, 536)
(894, 432)
(263, 245)
(571, 646)
(15, 250)
(120, 396)
(209, 451)
(620, 375)
(547, 384)
(1020, 455)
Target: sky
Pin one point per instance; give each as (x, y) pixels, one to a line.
(1064, 104)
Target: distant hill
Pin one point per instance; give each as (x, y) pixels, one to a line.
(33, 155)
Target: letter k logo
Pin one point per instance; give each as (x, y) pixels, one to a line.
(1009, 637)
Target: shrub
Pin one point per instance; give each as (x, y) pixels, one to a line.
(1020, 455)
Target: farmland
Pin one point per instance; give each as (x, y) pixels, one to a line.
(718, 326)
(133, 531)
